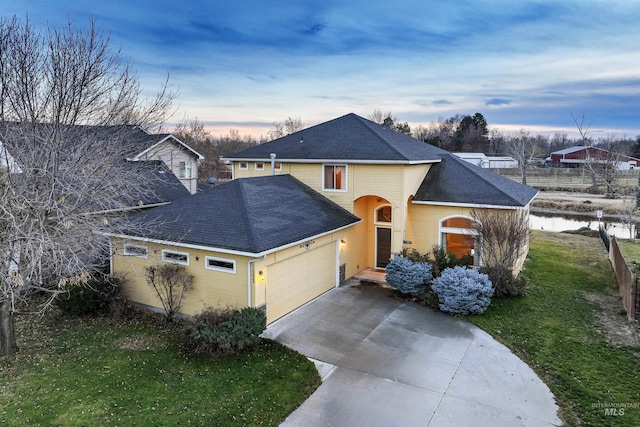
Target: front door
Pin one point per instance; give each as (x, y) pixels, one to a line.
(383, 246)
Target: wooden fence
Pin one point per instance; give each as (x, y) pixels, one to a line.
(627, 280)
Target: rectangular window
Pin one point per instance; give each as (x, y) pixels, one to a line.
(243, 166)
(185, 170)
(136, 250)
(175, 257)
(335, 177)
(278, 166)
(259, 166)
(220, 264)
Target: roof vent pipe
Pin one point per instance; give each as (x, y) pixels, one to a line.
(273, 163)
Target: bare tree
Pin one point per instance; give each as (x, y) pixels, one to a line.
(170, 282)
(193, 133)
(523, 147)
(65, 181)
(379, 117)
(289, 126)
(504, 234)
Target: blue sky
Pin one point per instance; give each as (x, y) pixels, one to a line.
(244, 65)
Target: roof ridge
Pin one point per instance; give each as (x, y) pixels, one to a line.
(364, 121)
(469, 167)
(244, 213)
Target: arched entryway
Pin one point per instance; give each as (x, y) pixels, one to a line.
(383, 221)
(458, 237)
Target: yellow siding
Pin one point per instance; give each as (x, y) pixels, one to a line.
(423, 224)
(210, 288)
(252, 171)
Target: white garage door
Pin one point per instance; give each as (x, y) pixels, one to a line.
(299, 279)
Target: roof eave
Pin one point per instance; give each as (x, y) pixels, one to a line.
(351, 161)
(470, 205)
(194, 152)
(225, 250)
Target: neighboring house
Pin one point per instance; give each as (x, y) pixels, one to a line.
(488, 162)
(578, 155)
(138, 145)
(345, 196)
(181, 159)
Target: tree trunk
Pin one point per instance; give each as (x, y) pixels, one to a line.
(8, 344)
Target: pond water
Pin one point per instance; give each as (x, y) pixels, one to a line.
(558, 223)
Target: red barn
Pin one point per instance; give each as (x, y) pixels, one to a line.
(578, 155)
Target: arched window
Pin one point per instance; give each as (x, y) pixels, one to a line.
(383, 214)
(458, 237)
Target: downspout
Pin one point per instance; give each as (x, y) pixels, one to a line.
(249, 264)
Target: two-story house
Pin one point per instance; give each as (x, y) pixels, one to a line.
(308, 210)
(136, 145)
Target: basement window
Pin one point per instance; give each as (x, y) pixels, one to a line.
(136, 250)
(220, 264)
(175, 257)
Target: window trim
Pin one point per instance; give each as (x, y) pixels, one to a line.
(173, 261)
(188, 167)
(277, 166)
(222, 269)
(375, 214)
(345, 179)
(127, 246)
(258, 168)
(243, 168)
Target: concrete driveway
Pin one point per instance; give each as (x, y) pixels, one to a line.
(385, 362)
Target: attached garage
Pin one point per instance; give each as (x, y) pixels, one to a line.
(297, 280)
(250, 242)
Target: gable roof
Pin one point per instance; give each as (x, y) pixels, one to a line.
(133, 141)
(251, 216)
(570, 150)
(349, 138)
(457, 182)
(153, 140)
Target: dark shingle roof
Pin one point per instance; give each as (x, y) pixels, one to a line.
(455, 181)
(162, 185)
(252, 215)
(349, 137)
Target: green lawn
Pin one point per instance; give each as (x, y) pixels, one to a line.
(76, 372)
(630, 249)
(555, 330)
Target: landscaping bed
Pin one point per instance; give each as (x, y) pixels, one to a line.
(94, 371)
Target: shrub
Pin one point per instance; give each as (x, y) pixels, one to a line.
(408, 277)
(224, 332)
(415, 256)
(443, 260)
(91, 297)
(463, 291)
(504, 283)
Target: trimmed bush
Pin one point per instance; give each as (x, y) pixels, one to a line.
(224, 332)
(91, 298)
(408, 277)
(504, 283)
(463, 291)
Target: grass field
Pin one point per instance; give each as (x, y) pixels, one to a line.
(81, 372)
(557, 330)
